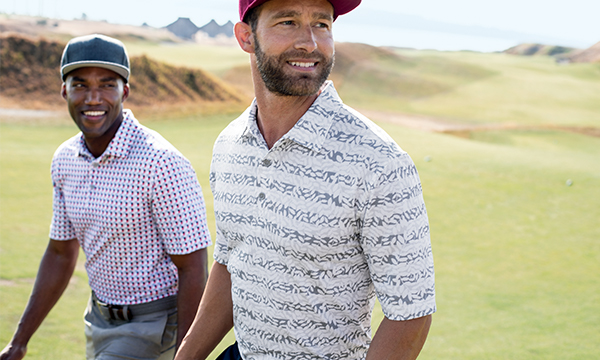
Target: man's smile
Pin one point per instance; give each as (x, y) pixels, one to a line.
(94, 114)
(302, 64)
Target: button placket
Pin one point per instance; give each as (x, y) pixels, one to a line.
(95, 165)
(264, 178)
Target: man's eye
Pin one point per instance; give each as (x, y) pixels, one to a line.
(287, 22)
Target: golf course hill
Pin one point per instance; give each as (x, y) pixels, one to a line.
(29, 74)
(539, 50)
(562, 53)
(589, 55)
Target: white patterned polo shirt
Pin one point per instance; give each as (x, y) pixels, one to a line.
(129, 209)
(315, 228)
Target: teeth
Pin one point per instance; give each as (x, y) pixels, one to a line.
(302, 64)
(93, 113)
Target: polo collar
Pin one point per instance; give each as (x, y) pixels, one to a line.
(121, 143)
(312, 128)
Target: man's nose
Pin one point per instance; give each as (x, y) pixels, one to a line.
(93, 97)
(306, 40)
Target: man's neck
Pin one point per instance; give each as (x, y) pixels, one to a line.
(97, 146)
(278, 114)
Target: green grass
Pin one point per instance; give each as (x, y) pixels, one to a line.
(516, 249)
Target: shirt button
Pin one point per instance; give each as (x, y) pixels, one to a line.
(261, 196)
(92, 186)
(95, 165)
(266, 162)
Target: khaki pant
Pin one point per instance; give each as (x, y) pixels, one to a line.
(146, 337)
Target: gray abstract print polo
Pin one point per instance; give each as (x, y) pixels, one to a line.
(316, 227)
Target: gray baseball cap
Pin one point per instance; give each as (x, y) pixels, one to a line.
(95, 51)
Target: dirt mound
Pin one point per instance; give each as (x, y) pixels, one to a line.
(29, 74)
(29, 69)
(538, 49)
(589, 55)
(154, 82)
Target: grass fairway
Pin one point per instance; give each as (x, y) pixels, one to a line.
(516, 250)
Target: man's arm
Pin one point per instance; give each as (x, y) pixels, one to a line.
(193, 272)
(214, 318)
(399, 340)
(55, 271)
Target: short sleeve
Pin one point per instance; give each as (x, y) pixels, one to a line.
(221, 249)
(178, 207)
(60, 227)
(397, 244)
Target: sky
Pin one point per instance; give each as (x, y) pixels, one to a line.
(478, 25)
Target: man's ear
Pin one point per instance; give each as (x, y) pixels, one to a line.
(244, 37)
(125, 92)
(63, 91)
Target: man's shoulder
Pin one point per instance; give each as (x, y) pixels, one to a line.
(236, 128)
(68, 148)
(145, 141)
(353, 127)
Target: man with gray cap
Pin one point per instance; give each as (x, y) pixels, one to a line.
(133, 204)
(318, 211)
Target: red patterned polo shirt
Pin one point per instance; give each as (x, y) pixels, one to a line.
(130, 208)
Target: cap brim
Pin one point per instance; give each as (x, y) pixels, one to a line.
(343, 7)
(120, 70)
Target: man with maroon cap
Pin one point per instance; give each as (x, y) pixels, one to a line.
(318, 211)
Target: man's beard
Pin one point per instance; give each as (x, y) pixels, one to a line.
(271, 70)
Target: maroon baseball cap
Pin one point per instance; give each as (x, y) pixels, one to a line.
(340, 7)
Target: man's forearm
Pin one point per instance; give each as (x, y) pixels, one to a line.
(192, 281)
(214, 318)
(399, 340)
(55, 271)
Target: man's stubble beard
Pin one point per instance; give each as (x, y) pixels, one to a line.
(271, 69)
